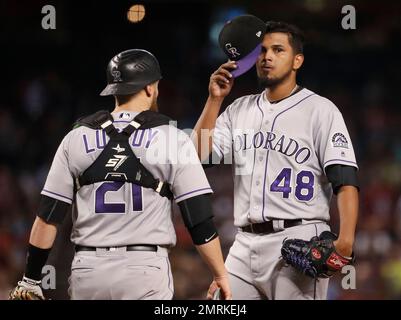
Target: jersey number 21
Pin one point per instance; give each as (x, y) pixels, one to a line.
(119, 208)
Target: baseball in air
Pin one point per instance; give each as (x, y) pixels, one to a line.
(136, 13)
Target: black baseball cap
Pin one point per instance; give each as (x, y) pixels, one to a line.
(130, 71)
(241, 40)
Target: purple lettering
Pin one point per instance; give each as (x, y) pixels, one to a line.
(255, 138)
(151, 135)
(270, 137)
(245, 142)
(293, 151)
(279, 143)
(135, 141)
(87, 149)
(300, 152)
(100, 142)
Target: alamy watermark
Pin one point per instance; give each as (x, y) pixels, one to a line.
(49, 277)
(49, 19)
(185, 147)
(349, 280)
(349, 20)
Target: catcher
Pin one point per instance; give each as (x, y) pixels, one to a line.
(121, 173)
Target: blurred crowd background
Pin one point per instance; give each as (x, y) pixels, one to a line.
(49, 78)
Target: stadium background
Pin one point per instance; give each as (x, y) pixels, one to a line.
(51, 77)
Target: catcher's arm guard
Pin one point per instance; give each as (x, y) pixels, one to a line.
(316, 258)
(27, 289)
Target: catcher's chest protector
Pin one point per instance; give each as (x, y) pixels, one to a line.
(117, 161)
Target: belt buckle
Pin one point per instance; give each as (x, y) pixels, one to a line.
(278, 225)
(112, 249)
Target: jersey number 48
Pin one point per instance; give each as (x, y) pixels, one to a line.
(304, 184)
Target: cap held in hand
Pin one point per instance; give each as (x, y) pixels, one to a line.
(241, 40)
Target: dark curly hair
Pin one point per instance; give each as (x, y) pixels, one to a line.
(296, 37)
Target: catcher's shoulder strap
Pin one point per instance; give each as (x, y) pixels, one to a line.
(117, 162)
(144, 120)
(93, 121)
(149, 119)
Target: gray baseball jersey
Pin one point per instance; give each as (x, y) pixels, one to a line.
(280, 153)
(119, 214)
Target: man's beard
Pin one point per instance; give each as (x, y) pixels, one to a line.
(154, 106)
(273, 82)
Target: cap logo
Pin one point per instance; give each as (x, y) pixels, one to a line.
(116, 75)
(232, 50)
(258, 34)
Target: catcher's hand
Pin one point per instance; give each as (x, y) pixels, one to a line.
(27, 289)
(316, 258)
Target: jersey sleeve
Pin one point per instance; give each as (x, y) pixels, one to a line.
(222, 136)
(60, 183)
(190, 179)
(334, 145)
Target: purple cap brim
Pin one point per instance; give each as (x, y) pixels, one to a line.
(246, 63)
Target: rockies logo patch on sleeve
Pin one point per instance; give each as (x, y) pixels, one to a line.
(339, 140)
